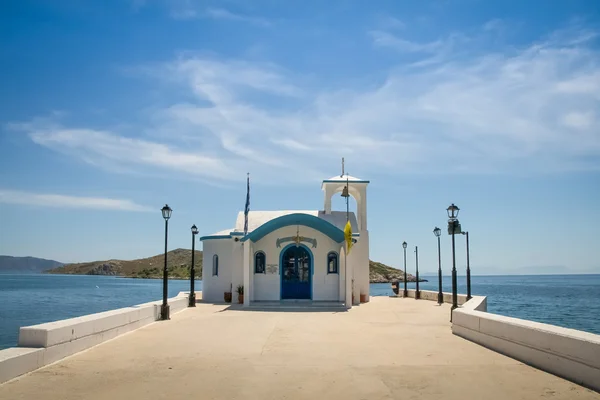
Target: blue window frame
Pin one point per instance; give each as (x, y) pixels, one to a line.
(259, 262)
(215, 265)
(332, 263)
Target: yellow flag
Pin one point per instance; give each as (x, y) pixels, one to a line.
(348, 236)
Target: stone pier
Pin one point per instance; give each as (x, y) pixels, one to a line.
(389, 348)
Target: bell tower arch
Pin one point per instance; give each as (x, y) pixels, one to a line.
(356, 187)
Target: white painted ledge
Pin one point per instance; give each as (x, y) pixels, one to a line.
(16, 361)
(568, 353)
(43, 344)
(432, 296)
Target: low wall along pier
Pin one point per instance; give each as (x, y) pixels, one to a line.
(568, 353)
(433, 296)
(43, 344)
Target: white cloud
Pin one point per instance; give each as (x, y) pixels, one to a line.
(109, 150)
(586, 84)
(221, 13)
(62, 201)
(184, 13)
(495, 24)
(190, 9)
(389, 22)
(579, 120)
(136, 5)
(531, 109)
(292, 144)
(220, 81)
(386, 39)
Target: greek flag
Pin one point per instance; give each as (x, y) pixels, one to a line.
(247, 208)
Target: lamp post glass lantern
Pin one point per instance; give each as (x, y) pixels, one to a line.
(166, 212)
(405, 293)
(192, 302)
(453, 211)
(438, 232)
(164, 309)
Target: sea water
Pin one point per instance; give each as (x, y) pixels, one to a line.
(571, 301)
(34, 299)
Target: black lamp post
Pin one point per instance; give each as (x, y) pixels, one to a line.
(417, 293)
(468, 269)
(405, 294)
(438, 232)
(164, 309)
(192, 302)
(453, 227)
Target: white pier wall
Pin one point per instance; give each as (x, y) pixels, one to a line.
(432, 296)
(568, 353)
(43, 344)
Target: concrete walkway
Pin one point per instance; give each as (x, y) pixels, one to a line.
(390, 348)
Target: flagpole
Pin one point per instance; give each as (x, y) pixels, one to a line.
(347, 202)
(246, 244)
(347, 221)
(347, 237)
(247, 206)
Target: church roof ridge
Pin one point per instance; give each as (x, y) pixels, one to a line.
(344, 178)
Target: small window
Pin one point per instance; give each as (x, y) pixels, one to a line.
(332, 263)
(259, 263)
(215, 265)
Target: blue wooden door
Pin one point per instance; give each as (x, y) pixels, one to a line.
(296, 273)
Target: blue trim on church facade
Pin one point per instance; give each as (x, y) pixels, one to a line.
(215, 237)
(308, 220)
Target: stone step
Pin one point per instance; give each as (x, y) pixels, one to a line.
(297, 306)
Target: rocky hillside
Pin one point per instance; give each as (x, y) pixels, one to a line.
(179, 264)
(381, 273)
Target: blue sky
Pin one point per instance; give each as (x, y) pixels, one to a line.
(110, 109)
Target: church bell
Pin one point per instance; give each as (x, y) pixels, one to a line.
(345, 192)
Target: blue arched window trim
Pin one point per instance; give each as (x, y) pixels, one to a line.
(260, 262)
(333, 263)
(215, 265)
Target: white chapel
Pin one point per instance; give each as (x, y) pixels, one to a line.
(289, 255)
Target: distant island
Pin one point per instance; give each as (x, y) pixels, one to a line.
(178, 265)
(26, 265)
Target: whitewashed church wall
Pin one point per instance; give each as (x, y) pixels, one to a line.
(326, 286)
(360, 256)
(237, 273)
(268, 285)
(213, 287)
(342, 274)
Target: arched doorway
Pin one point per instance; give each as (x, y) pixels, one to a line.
(296, 272)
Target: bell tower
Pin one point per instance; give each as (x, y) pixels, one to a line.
(352, 186)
